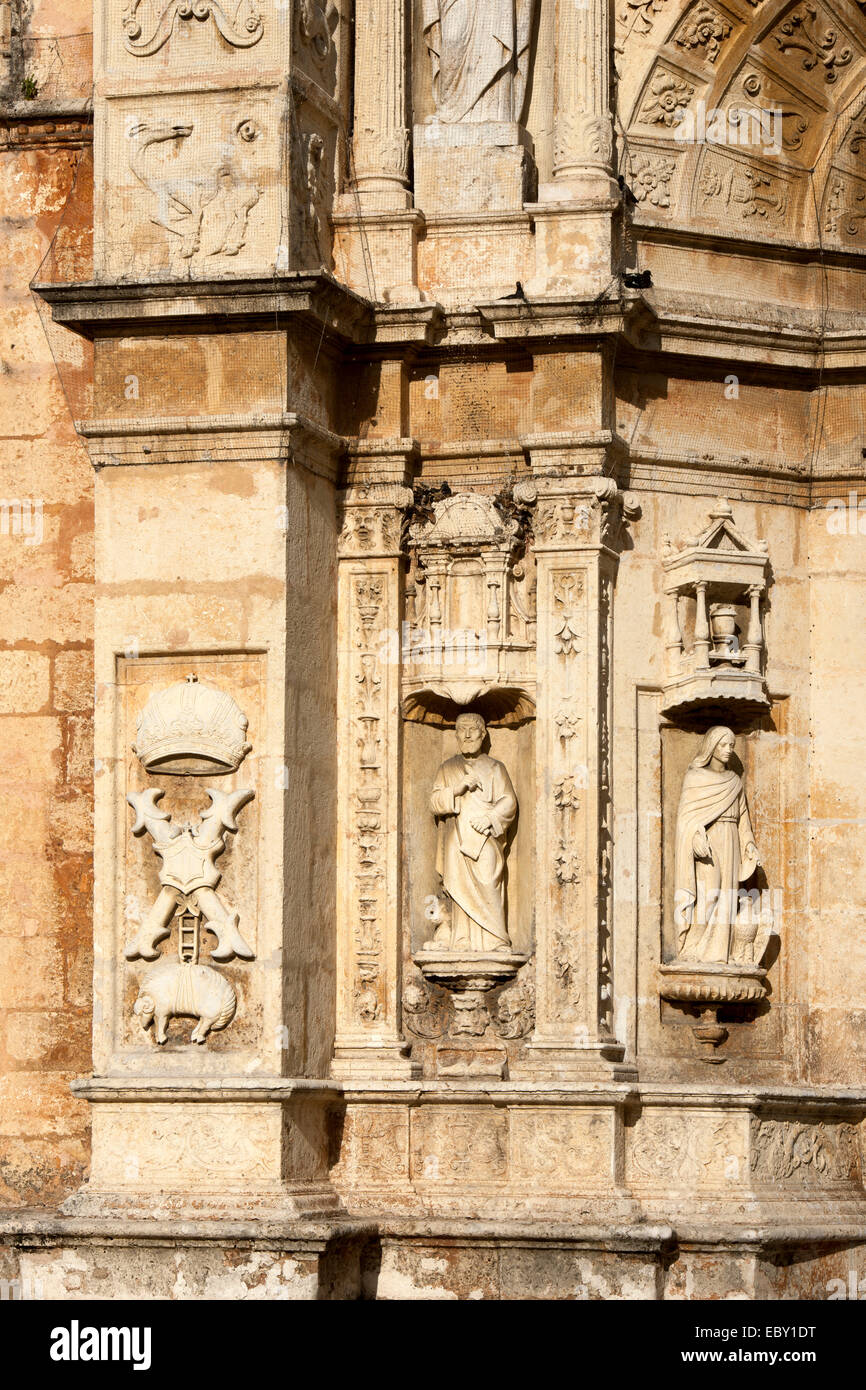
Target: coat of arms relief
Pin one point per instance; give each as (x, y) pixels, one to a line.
(189, 729)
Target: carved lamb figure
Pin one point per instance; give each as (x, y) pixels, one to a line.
(176, 990)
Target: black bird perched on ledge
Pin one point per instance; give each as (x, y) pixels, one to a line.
(638, 280)
(519, 293)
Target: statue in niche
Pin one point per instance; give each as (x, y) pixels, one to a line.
(474, 803)
(715, 854)
(480, 57)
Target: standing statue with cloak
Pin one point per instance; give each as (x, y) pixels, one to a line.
(715, 852)
(474, 803)
(480, 55)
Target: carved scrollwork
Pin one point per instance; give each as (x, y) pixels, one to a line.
(786, 1150)
(241, 28)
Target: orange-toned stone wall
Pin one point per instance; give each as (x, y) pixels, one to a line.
(46, 684)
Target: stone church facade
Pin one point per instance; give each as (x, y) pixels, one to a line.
(432, 568)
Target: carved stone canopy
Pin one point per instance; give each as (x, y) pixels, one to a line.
(470, 617)
(715, 585)
(191, 730)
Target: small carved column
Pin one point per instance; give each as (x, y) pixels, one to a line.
(702, 626)
(369, 1040)
(583, 139)
(577, 527)
(754, 636)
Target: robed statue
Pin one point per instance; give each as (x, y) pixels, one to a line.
(480, 55)
(474, 803)
(715, 854)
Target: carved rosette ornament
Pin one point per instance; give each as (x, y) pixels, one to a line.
(239, 22)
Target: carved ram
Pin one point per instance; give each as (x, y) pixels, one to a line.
(179, 990)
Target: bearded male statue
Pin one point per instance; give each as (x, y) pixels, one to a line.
(474, 803)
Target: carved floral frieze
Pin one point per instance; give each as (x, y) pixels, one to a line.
(794, 1151)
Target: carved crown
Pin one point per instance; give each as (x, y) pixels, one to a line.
(190, 729)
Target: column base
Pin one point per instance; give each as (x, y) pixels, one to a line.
(381, 1063)
(574, 241)
(562, 1060)
(375, 248)
(215, 1148)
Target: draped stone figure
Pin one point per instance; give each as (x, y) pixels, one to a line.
(715, 852)
(480, 55)
(474, 802)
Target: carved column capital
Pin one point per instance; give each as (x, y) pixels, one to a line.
(371, 520)
(582, 514)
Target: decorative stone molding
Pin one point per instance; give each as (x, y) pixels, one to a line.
(578, 531)
(791, 1151)
(242, 29)
(369, 1039)
(715, 585)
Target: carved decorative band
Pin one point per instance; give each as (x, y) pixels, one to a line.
(244, 30)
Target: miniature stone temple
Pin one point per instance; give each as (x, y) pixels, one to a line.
(432, 558)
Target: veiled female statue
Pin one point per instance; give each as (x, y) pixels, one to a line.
(715, 852)
(480, 55)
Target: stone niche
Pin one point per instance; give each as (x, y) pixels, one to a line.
(468, 649)
(739, 999)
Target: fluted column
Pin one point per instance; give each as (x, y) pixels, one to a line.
(583, 140)
(381, 135)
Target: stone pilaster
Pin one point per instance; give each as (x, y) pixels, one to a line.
(369, 1040)
(576, 529)
(375, 222)
(577, 250)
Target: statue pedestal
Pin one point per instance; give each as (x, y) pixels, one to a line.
(469, 976)
(481, 166)
(710, 985)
